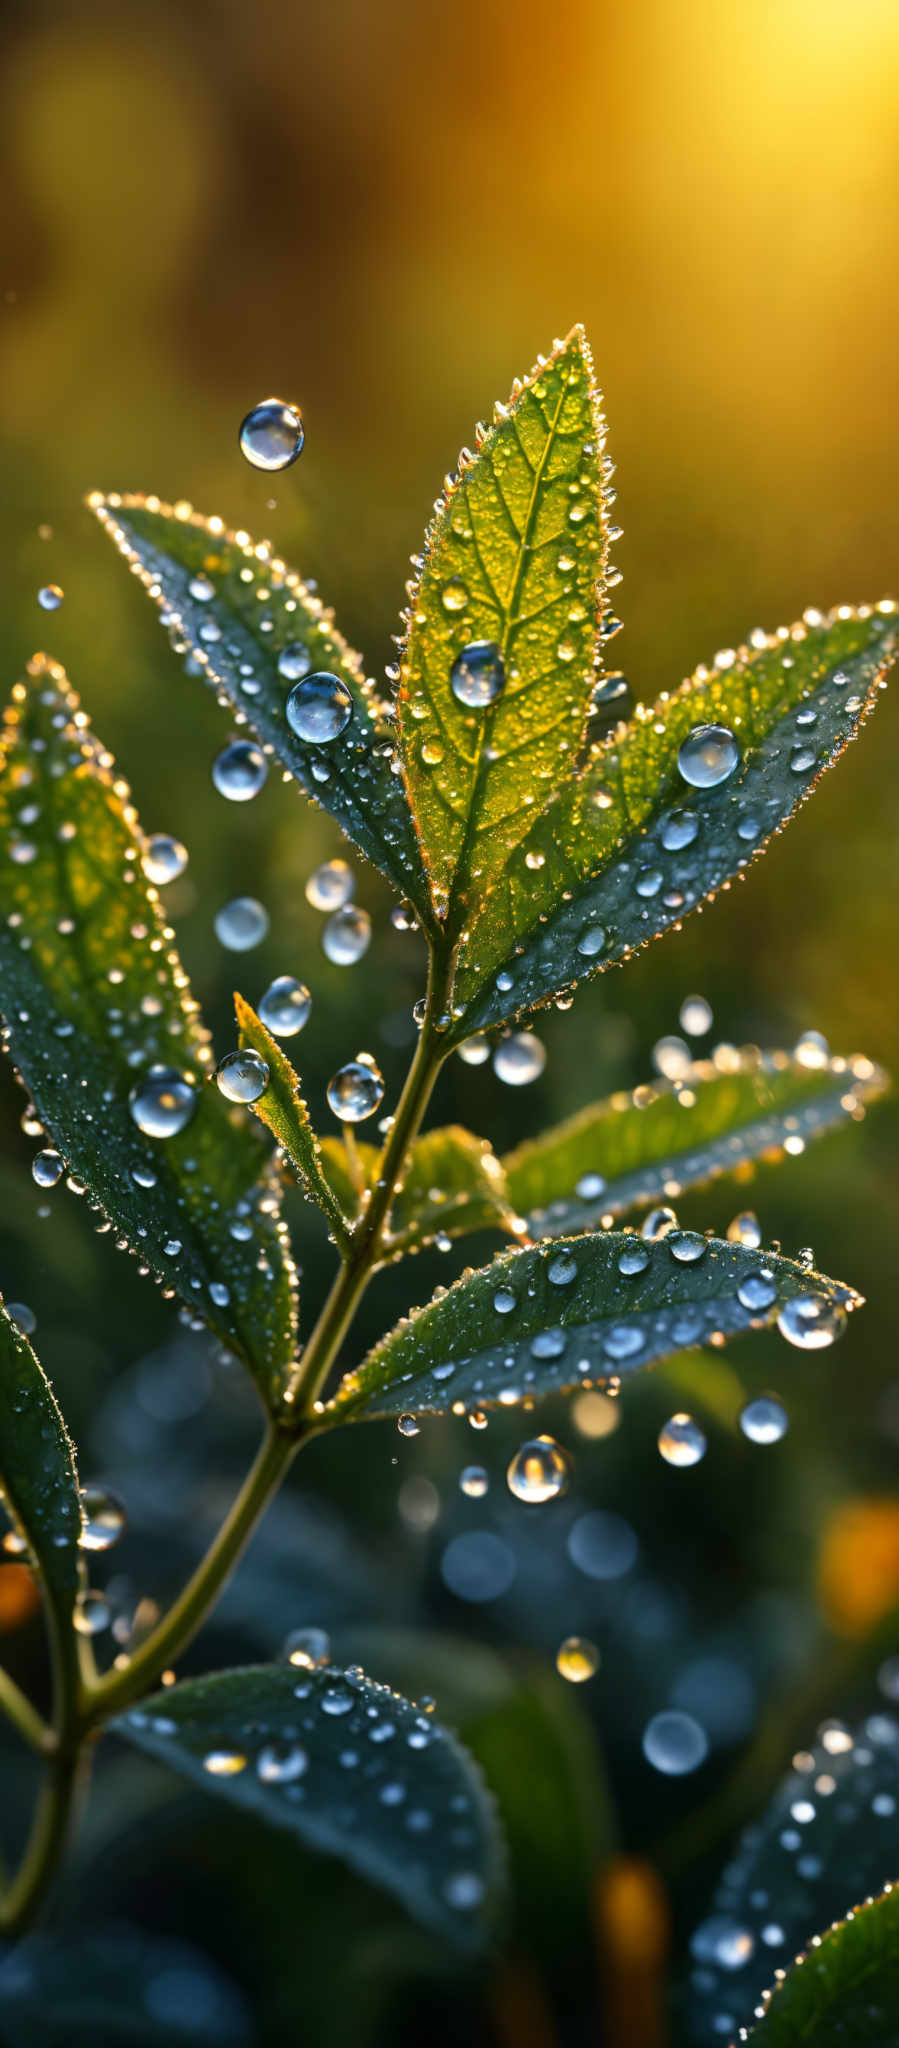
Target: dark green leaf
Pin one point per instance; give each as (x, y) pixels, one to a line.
(352, 1768)
(827, 1839)
(94, 995)
(515, 558)
(454, 1183)
(282, 1109)
(38, 1480)
(844, 1992)
(570, 1317)
(647, 1147)
(597, 875)
(116, 1987)
(258, 607)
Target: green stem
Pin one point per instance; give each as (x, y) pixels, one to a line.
(46, 1842)
(21, 1713)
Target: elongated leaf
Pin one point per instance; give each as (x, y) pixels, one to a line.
(844, 1991)
(282, 1109)
(570, 1314)
(94, 996)
(250, 608)
(647, 1147)
(117, 1986)
(454, 1183)
(38, 1480)
(514, 560)
(600, 870)
(827, 1839)
(352, 1768)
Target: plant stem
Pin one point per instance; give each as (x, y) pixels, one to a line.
(21, 1713)
(45, 1846)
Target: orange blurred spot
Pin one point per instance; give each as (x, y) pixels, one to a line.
(632, 1923)
(19, 1596)
(519, 2008)
(858, 1564)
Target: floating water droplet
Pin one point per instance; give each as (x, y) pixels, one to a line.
(577, 1659)
(454, 595)
(91, 1614)
(242, 1076)
(539, 1471)
(330, 886)
(745, 1229)
(285, 1006)
(474, 1481)
(477, 675)
(241, 924)
(681, 1441)
(812, 1050)
(764, 1420)
(309, 1649)
(104, 1519)
(163, 1103)
(407, 1425)
(475, 1050)
(810, 1322)
(47, 1168)
(319, 708)
(240, 771)
(708, 755)
(674, 1743)
(163, 859)
(678, 830)
(281, 1763)
(671, 1057)
(272, 434)
(50, 597)
(294, 662)
(346, 935)
(356, 1090)
(224, 1763)
(695, 1016)
(519, 1059)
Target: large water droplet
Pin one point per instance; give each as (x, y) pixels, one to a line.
(812, 1050)
(810, 1322)
(474, 1481)
(764, 1420)
(241, 924)
(674, 1743)
(474, 1051)
(346, 935)
(695, 1016)
(539, 1471)
(104, 1518)
(242, 1076)
(50, 597)
(309, 1649)
(687, 1246)
(163, 859)
(272, 435)
(285, 1006)
(91, 1614)
(577, 1659)
(678, 830)
(681, 1441)
(356, 1090)
(240, 771)
(47, 1168)
(519, 1059)
(163, 1103)
(757, 1292)
(708, 755)
(477, 675)
(330, 886)
(319, 708)
(294, 662)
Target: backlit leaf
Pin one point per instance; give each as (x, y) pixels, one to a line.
(94, 996)
(514, 561)
(252, 614)
(453, 1184)
(282, 1109)
(350, 1767)
(600, 870)
(38, 1481)
(649, 1146)
(570, 1314)
(844, 1991)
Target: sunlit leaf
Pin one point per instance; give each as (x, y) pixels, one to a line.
(649, 1146)
(254, 618)
(630, 848)
(844, 1991)
(570, 1314)
(282, 1109)
(38, 1481)
(349, 1766)
(94, 996)
(513, 563)
(117, 1986)
(827, 1840)
(453, 1184)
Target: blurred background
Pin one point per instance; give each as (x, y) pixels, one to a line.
(385, 212)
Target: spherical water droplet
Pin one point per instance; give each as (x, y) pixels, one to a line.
(240, 771)
(50, 597)
(591, 941)
(91, 1614)
(23, 1317)
(285, 1006)
(745, 1229)
(294, 662)
(678, 830)
(474, 1481)
(681, 1441)
(356, 1090)
(474, 1051)
(757, 1292)
(562, 1270)
(577, 1659)
(330, 886)
(319, 708)
(201, 590)
(658, 1223)
(346, 935)
(309, 1649)
(519, 1059)
(590, 1187)
(633, 1259)
(649, 881)
(407, 1425)
(163, 859)
(454, 595)
(104, 1518)
(163, 1103)
(708, 755)
(671, 1057)
(764, 1420)
(504, 1300)
(477, 675)
(242, 1076)
(47, 1168)
(812, 1050)
(687, 1246)
(336, 1700)
(241, 924)
(539, 1471)
(695, 1016)
(224, 1763)
(281, 1763)
(272, 435)
(810, 1322)
(674, 1743)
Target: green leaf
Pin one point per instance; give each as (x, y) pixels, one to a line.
(454, 1184)
(257, 608)
(827, 1839)
(349, 1766)
(597, 875)
(117, 1986)
(282, 1109)
(844, 1991)
(568, 1316)
(649, 1146)
(38, 1480)
(514, 558)
(94, 995)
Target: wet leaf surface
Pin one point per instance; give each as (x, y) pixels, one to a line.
(282, 1109)
(115, 1986)
(844, 1992)
(38, 1480)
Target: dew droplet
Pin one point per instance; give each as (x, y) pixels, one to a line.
(241, 924)
(633, 1259)
(50, 597)
(285, 1006)
(671, 1056)
(764, 1420)
(474, 1481)
(91, 1614)
(658, 1223)
(242, 1076)
(454, 595)
(336, 1700)
(474, 1051)
(539, 1471)
(103, 1518)
(47, 1168)
(163, 859)
(591, 941)
(224, 1763)
(272, 434)
(308, 1649)
(330, 886)
(695, 1016)
(687, 1246)
(240, 771)
(810, 1322)
(745, 1229)
(504, 1300)
(519, 1059)
(281, 1763)
(356, 1090)
(319, 708)
(23, 1317)
(577, 1659)
(346, 935)
(678, 829)
(562, 1270)
(812, 1050)
(478, 674)
(163, 1103)
(674, 1743)
(407, 1424)
(708, 755)
(681, 1441)
(294, 662)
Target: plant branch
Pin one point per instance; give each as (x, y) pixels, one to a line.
(22, 1714)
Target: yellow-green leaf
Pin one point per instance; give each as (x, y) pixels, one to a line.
(282, 1109)
(453, 1184)
(38, 1480)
